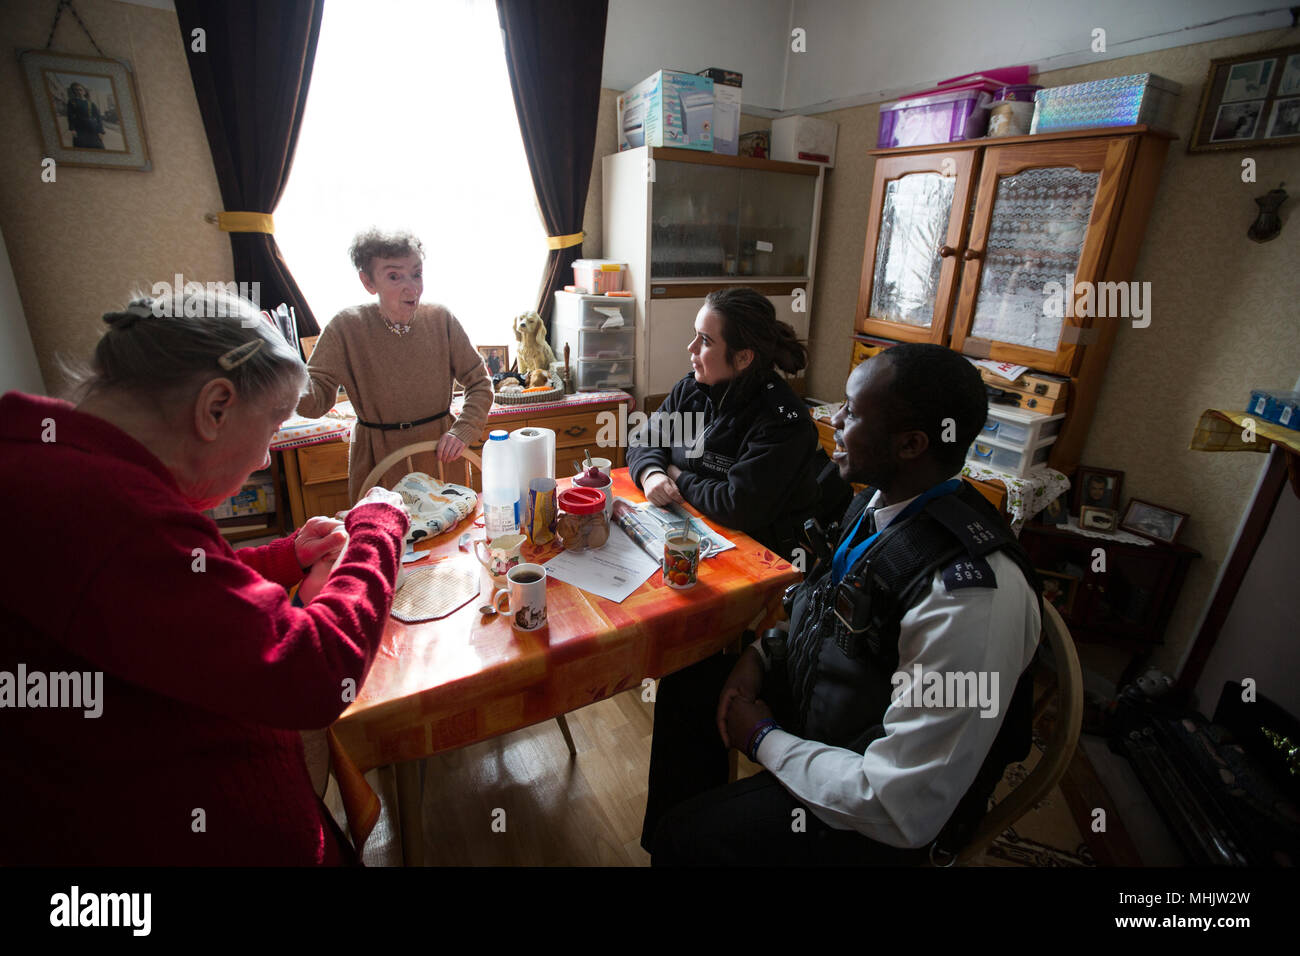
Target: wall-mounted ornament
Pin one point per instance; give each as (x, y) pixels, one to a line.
(1269, 222)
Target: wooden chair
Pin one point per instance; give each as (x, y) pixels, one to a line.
(471, 460)
(406, 451)
(1060, 745)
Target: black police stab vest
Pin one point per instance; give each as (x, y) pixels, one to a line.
(839, 686)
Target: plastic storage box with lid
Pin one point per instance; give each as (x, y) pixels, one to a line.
(939, 118)
(1120, 101)
(1015, 440)
(598, 276)
(667, 109)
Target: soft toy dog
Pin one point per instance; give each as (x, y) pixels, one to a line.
(534, 351)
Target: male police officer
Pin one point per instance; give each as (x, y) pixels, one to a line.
(925, 584)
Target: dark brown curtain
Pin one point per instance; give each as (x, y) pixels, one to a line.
(251, 82)
(554, 53)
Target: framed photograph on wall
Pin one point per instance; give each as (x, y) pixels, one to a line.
(1250, 100)
(495, 357)
(87, 110)
(1152, 521)
(1096, 488)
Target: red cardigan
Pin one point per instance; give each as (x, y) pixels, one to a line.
(208, 673)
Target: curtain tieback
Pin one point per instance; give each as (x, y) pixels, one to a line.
(564, 242)
(243, 222)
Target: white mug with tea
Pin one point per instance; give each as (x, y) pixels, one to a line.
(526, 590)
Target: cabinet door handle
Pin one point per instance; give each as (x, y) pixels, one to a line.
(971, 254)
(947, 251)
(573, 431)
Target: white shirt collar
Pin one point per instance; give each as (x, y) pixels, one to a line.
(886, 514)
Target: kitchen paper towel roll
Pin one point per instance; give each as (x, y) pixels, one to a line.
(534, 455)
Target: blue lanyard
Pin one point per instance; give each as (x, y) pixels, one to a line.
(846, 558)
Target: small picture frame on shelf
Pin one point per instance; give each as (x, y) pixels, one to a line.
(1059, 590)
(1097, 488)
(1154, 522)
(1055, 513)
(1098, 519)
(495, 357)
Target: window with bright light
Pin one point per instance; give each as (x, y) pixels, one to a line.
(410, 124)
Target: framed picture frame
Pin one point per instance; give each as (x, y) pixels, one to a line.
(1250, 100)
(1059, 590)
(495, 357)
(87, 110)
(1055, 513)
(1152, 521)
(1098, 519)
(1096, 488)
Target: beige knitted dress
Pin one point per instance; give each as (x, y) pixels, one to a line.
(397, 378)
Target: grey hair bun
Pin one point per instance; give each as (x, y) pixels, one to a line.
(133, 313)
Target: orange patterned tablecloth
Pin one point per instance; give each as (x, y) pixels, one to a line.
(445, 684)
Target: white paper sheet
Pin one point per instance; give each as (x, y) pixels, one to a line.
(1004, 369)
(612, 572)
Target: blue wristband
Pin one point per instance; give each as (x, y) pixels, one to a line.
(761, 730)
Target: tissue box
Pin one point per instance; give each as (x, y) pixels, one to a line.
(726, 109)
(1119, 101)
(804, 139)
(667, 109)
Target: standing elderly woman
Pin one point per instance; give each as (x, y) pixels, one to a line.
(752, 465)
(164, 676)
(397, 360)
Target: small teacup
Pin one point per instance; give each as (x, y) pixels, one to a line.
(503, 554)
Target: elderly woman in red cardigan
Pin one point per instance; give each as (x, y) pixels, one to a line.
(153, 681)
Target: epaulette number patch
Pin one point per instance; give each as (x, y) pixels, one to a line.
(968, 573)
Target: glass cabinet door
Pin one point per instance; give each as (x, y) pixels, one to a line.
(776, 222)
(917, 225)
(694, 220)
(1040, 225)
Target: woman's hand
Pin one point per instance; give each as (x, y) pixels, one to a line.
(662, 491)
(317, 576)
(319, 539)
(381, 496)
(744, 684)
(449, 447)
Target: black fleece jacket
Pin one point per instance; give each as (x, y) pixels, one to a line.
(755, 468)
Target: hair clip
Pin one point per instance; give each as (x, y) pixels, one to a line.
(239, 354)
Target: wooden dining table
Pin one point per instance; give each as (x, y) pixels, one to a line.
(440, 685)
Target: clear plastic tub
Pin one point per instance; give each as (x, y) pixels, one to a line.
(594, 344)
(599, 276)
(576, 311)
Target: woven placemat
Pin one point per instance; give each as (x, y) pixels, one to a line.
(431, 593)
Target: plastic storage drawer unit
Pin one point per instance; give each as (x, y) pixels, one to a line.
(577, 311)
(594, 344)
(597, 374)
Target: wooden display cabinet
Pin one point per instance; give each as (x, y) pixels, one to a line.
(1065, 207)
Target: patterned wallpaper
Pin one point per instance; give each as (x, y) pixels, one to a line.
(81, 244)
